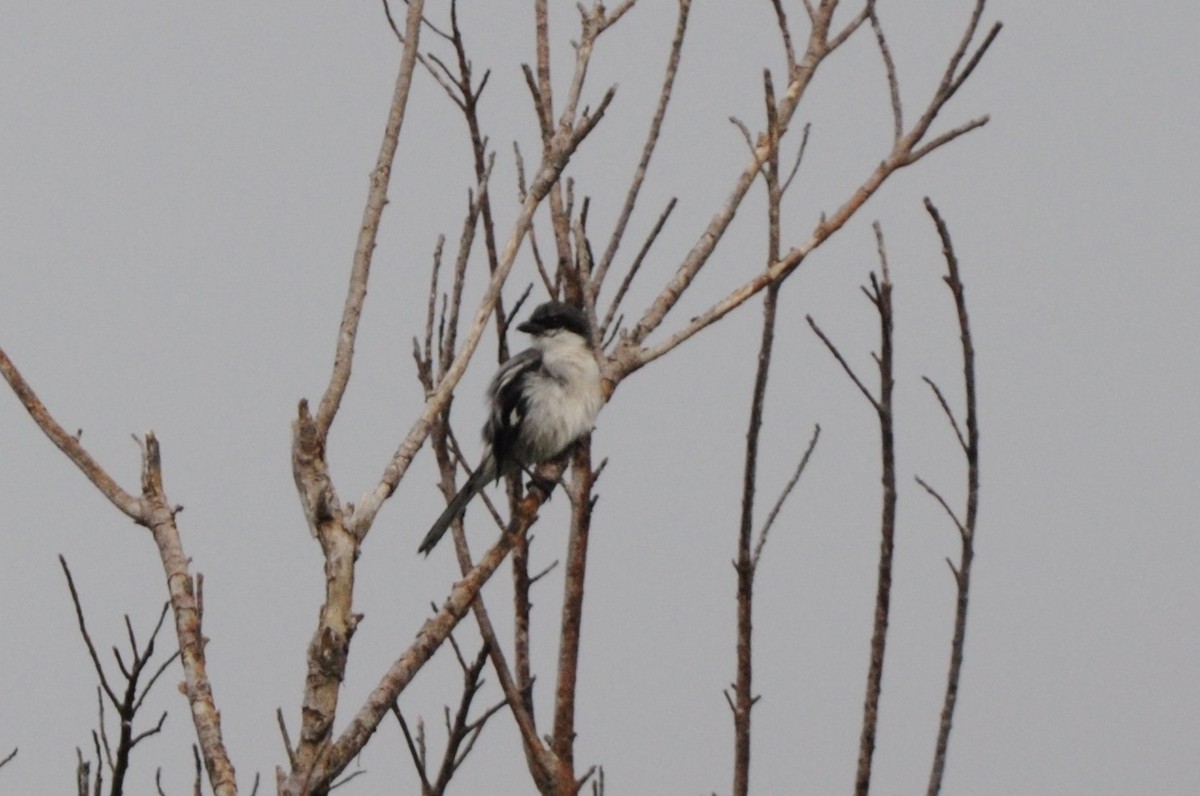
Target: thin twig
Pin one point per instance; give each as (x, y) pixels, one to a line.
(890, 66)
(842, 361)
(632, 353)
(787, 183)
(627, 280)
(941, 399)
(942, 502)
(783, 496)
(287, 740)
(414, 752)
(87, 639)
(639, 174)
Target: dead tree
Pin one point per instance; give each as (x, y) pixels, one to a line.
(571, 269)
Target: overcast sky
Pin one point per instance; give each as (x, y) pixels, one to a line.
(182, 188)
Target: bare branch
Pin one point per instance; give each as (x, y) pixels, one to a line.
(966, 528)
(890, 66)
(68, 443)
(87, 639)
(842, 361)
(158, 673)
(372, 214)
(947, 137)
(631, 354)
(429, 638)
(416, 755)
(850, 28)
(196, 760)
(785, 34)
(563, 734)
(947, 410)
(157, 728)
(887, 528)
(783, 496)
(639, 174)
(287, 741)
(339, 783)
(942, 502)
(634, 267)
(787, 183)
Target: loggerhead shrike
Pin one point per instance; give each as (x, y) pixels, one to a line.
(540, 402)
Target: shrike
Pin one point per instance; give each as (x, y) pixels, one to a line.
(540, 403)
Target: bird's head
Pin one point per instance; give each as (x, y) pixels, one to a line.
(556, 318)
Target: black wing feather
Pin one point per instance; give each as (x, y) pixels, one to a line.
(509, 407)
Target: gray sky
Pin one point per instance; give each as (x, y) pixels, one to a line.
(182, 187)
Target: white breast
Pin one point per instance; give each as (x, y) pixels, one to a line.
(562, 407)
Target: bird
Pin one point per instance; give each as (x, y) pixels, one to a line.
(540, 403)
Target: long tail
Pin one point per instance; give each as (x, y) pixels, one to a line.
(456, 506)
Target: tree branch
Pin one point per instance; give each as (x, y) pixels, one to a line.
(966, 528)
(369, 231)
(68, 443)
(883, 407)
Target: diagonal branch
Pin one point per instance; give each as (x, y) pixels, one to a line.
(941, 399)
(639, 174)
(369, 231)
(87, 639)
(842, 361)
(783, 496)
(933, 493)
(68, 443)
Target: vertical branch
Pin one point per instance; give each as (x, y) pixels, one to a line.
(744, 699)
(962, 575)
(187, 602)
(881, 296)
(562, 742)
(329, 647)
(559, 221)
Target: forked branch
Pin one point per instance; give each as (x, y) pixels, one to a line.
(880, 294)
(129, 702)
(633, 353)
(153, 511)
